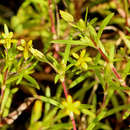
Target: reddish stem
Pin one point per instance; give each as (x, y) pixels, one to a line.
(100, 51)
(53, 30)
(51, 17)
(73, 122)
(65, 89)
(118, 76)
(66, 95)
(56, 54)
(115, 72)
(112, 67)
(103, 55)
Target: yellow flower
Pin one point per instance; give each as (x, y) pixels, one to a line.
(71, 106)
(7, 38)
(25, 46)
(82, 59)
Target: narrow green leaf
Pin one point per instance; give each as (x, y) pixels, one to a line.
(85, 106)
(88, 112)
(47, 105)
(51, 101)
(59, 92)
(32, 66)
(53, 60)
(100, 45)
(73, 42)
(61, 114)
(5, 98)
(66, 54)
(126, 6)
(117, 109)
(86, 15)
(28, 88)
(93, 21)
(32, 80)
(69, 66)
(111, 53)
(110, 92)
(50, 116)
(78, 80)
(12, 79)
(92, 32)
(36, 111)
(83, 90)
(96, 120)
(126, 41)
(14, 90)
(9, 101)
(118, 87)
(7, 105)
(57, 77)
(127, 69)
(19, 79)
(103, 24)
(66, 16)
(115, 104)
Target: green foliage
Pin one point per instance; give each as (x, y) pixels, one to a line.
(103, 24)
(66, 16)
(78, 68)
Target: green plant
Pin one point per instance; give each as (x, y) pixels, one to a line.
(83, 61)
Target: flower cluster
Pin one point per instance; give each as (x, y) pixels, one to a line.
(25, 46)
(71, 106)
(7, 38)
(82, 59)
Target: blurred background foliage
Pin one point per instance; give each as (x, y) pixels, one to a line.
(30, 20)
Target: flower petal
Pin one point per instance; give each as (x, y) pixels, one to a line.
(84, 66)
(88, 59)
(20, 48)
(69, 99)
(76, 56)
(76, 104)
(82, 54)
